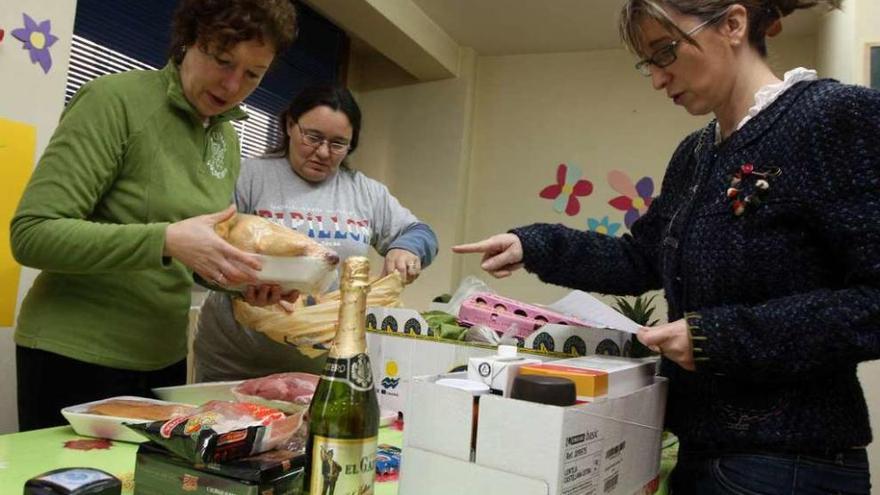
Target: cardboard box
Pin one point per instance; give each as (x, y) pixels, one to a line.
(611, 446)
(625, 375)
(402, 345)
(597, 376)
(499, 370)
(569, 341)
(158, 472)
(397, 320)
(397, 358)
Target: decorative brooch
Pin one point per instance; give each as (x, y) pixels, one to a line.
(762, 186)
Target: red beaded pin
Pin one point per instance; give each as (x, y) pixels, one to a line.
(762, 186)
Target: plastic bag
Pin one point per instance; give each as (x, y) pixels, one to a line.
(290, 259)
(222, 431)
(288, 392)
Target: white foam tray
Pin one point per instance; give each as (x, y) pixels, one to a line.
(306, 274)
(197, 393)
(112, 427)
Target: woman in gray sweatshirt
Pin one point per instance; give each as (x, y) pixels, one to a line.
(305, 185)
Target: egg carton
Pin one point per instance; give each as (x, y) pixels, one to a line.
(510, 317)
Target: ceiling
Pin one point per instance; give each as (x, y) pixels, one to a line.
(508, 27)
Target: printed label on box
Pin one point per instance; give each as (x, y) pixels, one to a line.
(581, 465)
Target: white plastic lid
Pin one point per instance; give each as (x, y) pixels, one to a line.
(470, 386)
(507, 351)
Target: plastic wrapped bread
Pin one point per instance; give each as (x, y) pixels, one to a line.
(290, 259)
(308, 326)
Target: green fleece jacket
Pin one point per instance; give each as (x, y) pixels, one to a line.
(130, 155)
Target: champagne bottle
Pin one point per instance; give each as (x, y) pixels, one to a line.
(344, 414)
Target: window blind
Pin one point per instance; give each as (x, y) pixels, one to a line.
(89, 60)
(117, 35)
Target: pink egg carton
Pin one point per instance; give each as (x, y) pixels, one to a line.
(508, 316)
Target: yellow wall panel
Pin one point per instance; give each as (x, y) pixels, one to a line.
(18, 143)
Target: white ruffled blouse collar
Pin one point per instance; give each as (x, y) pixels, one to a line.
(769, 93)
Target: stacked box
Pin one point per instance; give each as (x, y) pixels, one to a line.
(609, 447)
(277, 472)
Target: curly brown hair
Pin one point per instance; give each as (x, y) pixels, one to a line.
(763, 15)
(220, 24)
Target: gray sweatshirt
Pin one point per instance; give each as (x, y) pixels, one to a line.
(348, 212)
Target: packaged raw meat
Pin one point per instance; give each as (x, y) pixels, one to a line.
(290, 259)
(139, 409)
(222, 431)
(288, 392)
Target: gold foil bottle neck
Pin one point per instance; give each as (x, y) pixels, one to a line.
(355, 272)
(353, 287)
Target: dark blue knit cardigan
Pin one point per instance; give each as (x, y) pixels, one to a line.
(787, 294)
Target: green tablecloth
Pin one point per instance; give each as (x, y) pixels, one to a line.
(25, 455)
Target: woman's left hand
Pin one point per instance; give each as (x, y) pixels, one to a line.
(672, 340)
(402, 261)
(268, 294)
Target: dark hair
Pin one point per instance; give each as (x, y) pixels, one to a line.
(763, 15)
(335, 97)
(220, 24)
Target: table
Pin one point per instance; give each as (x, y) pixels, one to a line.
(25, 455)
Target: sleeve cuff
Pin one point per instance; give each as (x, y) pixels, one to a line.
(419, 240)
(699, 340)
(157, 241)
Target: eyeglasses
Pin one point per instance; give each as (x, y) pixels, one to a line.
(313, 139)
(665, 56)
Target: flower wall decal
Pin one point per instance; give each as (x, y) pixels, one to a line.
(635, 199)
(569, 186)
(37, 39)
(603, 226)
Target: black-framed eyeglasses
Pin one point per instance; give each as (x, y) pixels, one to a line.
(314, 139)
(665, 56)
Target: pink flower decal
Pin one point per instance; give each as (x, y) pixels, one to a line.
(568, 187)
(635, 199)
(37, 39)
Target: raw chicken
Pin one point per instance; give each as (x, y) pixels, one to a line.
(261, 236)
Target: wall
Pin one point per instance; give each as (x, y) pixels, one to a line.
(35, 98)
(415, 139)
(589, 109)
(836, 56)
(530, 113)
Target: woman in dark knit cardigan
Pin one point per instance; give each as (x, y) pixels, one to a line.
(766, 241)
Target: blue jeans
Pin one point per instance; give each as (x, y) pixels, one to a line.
(702, 473)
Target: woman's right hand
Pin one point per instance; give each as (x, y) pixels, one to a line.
(194, 243)
(502, 254)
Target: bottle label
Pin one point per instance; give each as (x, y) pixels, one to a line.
(355, 371)
(343, 466)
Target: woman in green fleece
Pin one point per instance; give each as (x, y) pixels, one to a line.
(120, 210)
